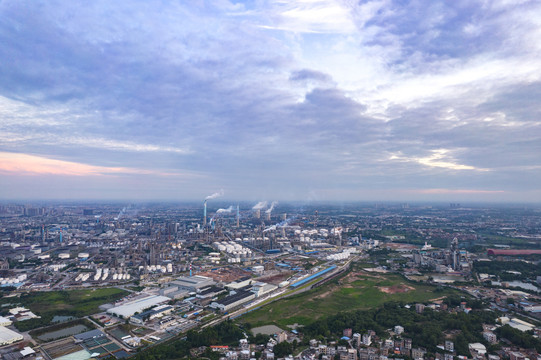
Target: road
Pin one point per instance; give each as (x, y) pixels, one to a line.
(275, 296)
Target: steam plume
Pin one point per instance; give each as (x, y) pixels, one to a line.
(215, 195)
(269, 210)
(225, 211)
(260, 205)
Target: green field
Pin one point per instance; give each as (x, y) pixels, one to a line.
(77, 303)
(355, 291)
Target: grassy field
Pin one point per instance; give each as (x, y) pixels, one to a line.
(83, 302)
(357, 290)
(76, 303)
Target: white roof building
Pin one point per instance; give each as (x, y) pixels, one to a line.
(5, 321)
(8, 336)
(27, 351)
(128, 309)
(261, 288)
(192, 283)
(478, 347)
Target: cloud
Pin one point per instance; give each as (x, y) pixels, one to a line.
(438, 159)
(456, 191)
(343, 97)
(314, 16)
(20, 164)
(36, 165)
(309, 75)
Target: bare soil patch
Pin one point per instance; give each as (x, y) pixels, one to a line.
(396, 289)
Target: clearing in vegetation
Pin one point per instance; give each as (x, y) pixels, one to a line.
(357, 290)
(77, 303)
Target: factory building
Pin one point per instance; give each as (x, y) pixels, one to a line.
(182, 286)
(261, 288)
(240, 283)
(157, 312)
(232, 301)
(127, 310)
(209, 293)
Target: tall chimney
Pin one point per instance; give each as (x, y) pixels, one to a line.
(205, 214)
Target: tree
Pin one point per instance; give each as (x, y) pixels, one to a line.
(282, 349)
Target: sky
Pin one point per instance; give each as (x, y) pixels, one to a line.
(311, 100)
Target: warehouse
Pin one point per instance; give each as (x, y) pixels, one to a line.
(182, 286)
(192, 283)
(5, 321)
(158, 311)
(261, 288)
(233, 301)
(128, 309)
(8, 336)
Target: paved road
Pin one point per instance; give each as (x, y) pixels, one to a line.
(276, 295)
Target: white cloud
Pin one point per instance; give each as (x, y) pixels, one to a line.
(440, 158)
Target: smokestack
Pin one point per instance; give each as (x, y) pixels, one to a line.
(257, 214)
(205, 213)
(238, 216)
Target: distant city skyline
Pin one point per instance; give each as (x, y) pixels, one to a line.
(308, 100)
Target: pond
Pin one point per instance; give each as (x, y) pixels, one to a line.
(62, 333)
(61, 319)
(518, 284)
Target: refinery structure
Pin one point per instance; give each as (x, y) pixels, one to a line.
(181, 266)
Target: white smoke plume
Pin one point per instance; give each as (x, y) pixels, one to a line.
(281, 224)
(225, 211)
(260, 205)
(269, 210)
(215, 195)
